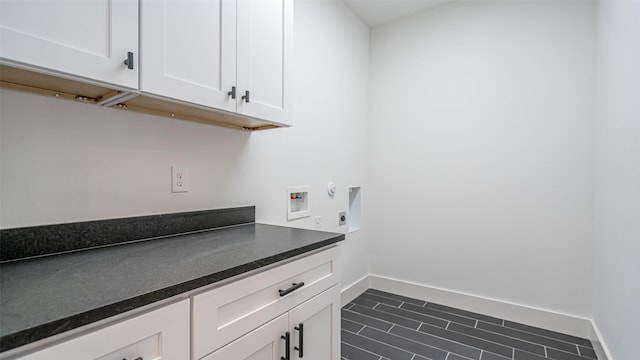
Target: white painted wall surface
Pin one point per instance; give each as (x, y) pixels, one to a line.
(482, 151)
(65, 162)
(617, 180)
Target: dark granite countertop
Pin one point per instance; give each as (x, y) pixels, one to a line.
(45, 296)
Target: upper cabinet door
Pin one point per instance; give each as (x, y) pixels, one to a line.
(88, 39)
(189, 50)
(265, 48)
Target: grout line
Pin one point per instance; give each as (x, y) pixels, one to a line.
(502, 322)
(362, 328)
(402, 303)
(577, 347)
(513, 353)
(545, 352)
(447, 327)
(392, 326)
(476, 325)
(447, 356)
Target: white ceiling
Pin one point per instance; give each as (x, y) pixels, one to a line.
(378, 12)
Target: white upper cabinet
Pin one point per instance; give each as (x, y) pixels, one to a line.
(265, 46)
(233, 55)
(87, 39)
(189, 50)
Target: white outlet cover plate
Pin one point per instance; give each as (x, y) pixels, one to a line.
(179, 179)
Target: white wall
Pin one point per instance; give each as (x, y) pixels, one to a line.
(617, 185)
(482, 151)
(64, 162)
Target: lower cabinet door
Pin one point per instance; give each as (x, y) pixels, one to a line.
(267, 342)
(315, 327)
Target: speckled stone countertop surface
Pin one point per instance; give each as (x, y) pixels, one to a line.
(45, 296)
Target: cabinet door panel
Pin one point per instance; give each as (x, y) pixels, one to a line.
(188, 50)
(264, 343)
(89, 39)
(320, 317)
(265, 40)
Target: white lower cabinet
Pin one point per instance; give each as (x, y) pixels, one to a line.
(289, 311)
(162, 334)
(310, 331)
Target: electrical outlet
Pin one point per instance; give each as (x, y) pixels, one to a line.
(342, 218)
(179, 179)
(318, 221)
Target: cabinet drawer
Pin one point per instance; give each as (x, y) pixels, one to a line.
(226, 313)
(161, 334)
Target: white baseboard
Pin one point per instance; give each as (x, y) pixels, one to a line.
(352, 291)
(602, 351)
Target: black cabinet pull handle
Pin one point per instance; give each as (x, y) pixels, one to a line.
(293, 288)
(138, 358)
(232, 93)
(129, 62)
(300, 346)
(245, 97)
(287, 341)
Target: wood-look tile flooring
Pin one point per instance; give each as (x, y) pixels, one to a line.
(381, 326)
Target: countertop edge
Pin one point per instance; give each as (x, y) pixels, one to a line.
(57, 327)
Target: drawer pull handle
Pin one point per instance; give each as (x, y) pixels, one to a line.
(129, 63)
(300, 346)
(287, 341)
(232, 93)
(293, 288)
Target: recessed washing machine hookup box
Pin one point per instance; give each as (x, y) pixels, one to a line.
(298, 202)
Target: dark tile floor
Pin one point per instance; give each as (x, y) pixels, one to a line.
(381, 326)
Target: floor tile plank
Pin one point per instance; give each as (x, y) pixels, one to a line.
(587, 352)
(468, 340)
(413, 315)
(394, 319)
(350, 326)
(538, 339)
(561, 355)
(439, 314)
(548, 333)
(497, 338)
(364, 341)
(366, 320)
(352, 353)
(398, 341)
(469, 314)
(438, 342)
(397, 297)
(380, 299)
